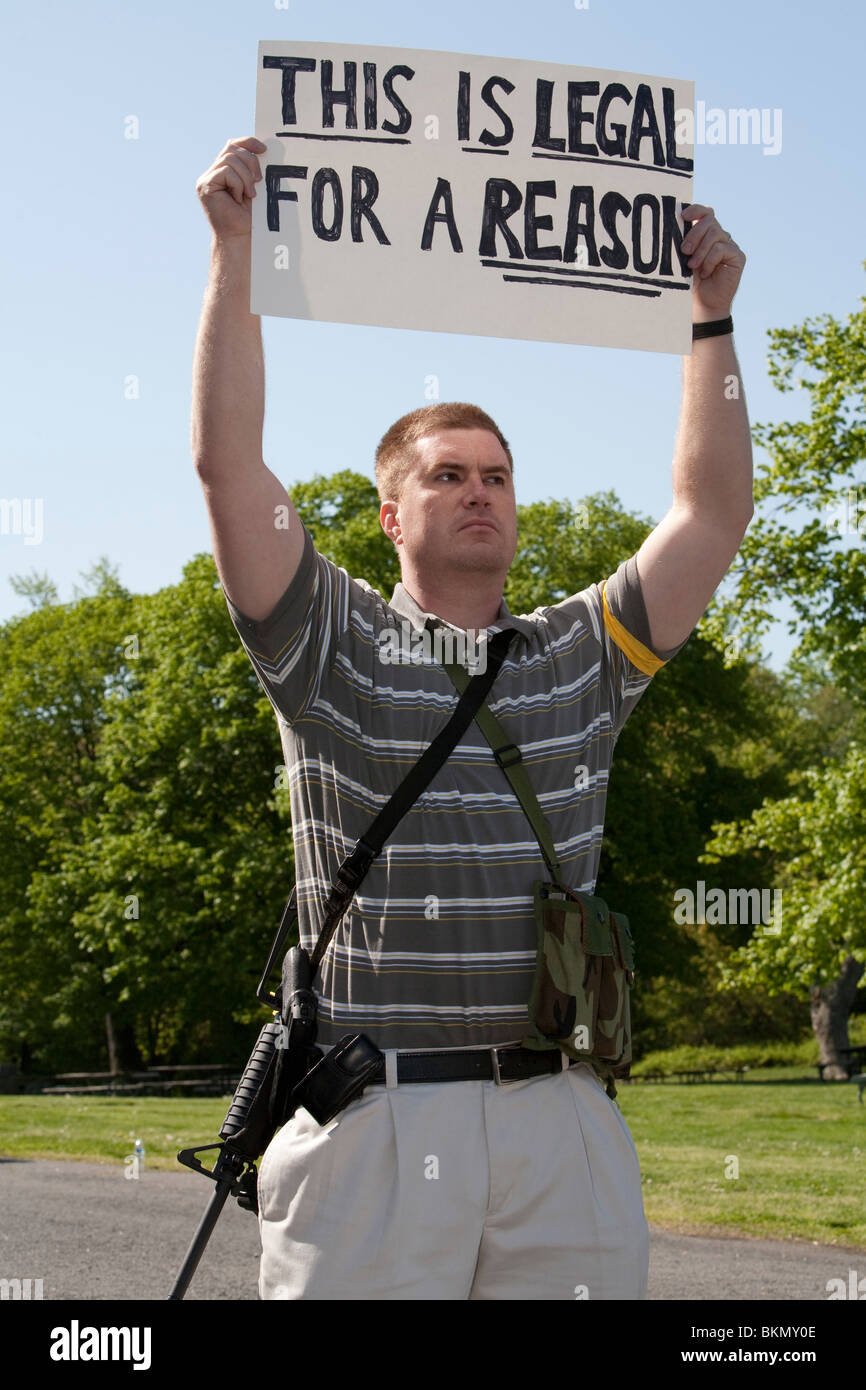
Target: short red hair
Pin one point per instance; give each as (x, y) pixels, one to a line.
(396, 453)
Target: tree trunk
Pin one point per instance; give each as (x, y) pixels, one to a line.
(129, 1055)
(831, 1006)
(112, 1045)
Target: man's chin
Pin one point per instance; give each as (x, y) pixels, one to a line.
(479, 559)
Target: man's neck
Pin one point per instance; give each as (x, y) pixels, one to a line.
(467, 601)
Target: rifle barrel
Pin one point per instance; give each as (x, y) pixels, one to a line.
(221, 1192)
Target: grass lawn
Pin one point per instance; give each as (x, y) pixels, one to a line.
(103, 1129)
(798, 1148)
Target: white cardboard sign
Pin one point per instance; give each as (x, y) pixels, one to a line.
(465, 194)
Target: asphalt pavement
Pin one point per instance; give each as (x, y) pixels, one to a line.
(90, 1233)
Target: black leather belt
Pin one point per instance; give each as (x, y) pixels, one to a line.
(497, 1064)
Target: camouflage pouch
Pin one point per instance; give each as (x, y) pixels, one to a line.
(584, 971)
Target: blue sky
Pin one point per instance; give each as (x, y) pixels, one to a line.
(105, 253)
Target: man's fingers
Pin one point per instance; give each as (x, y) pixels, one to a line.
(242, 159)
(724, 252)
(713, 258)
(219, 180)
(696, 210)
(230, 173)
(247, 142)
(250, 161)
(700, 243)
(702, 246)
(247, 174)
(235, 169)
(697, 234)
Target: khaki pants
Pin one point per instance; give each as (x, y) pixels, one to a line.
(457, 1190)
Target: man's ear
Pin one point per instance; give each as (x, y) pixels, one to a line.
(389, 520)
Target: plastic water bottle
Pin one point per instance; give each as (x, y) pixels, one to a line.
(139, 1156)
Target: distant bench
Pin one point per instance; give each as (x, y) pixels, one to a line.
(697, 1074)
(210, 1079)
(145, 1088)
(853, 1060)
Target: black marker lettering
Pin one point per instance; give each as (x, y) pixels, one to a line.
(671, 235)
(543, 102)
(611, 144)
(532, 222)
(485, 138)
(289, 66)
(347, 98)
(275, 195)
(615, 256)
(644, 200)
(463, 88)
(363, 199)
(327, 178)
(577, 116)
(442, 194)
(495, 215)
(675, 161)
(640, 128)
(581, 196)
(405, 115)
(370, 96)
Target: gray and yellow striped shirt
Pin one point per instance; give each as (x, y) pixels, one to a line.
(438, 947)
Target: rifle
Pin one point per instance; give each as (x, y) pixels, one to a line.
(234, 1171)
(280, 1056)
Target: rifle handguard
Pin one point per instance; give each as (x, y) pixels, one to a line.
(248, 1088)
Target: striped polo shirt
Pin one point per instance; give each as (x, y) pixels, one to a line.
(438, 947)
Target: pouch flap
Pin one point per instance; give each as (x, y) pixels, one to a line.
(596, 934)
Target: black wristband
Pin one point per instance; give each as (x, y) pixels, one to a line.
(713, 329)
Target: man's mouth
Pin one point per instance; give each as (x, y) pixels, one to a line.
(479, 522)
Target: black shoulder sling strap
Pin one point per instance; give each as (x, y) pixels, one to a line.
(354, 867)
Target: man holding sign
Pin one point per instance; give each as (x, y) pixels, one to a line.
(524, 1184)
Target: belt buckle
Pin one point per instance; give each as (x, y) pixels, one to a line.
(497, 1075)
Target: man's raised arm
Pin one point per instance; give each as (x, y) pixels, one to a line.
(256, 558)
(683, 561)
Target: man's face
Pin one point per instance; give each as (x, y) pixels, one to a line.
(457, 511)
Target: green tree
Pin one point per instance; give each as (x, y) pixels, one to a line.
(341, 513)
(813, 847)
(58, 663)
(140, 781)
(806, 543)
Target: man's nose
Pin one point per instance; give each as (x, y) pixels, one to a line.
(475, 490)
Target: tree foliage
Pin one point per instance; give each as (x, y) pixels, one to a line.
(806, 544)
(152, 852)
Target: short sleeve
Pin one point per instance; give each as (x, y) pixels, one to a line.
(631, 657)
(605, 630)
(293, 647)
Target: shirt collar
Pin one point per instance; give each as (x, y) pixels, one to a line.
(403, 603)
